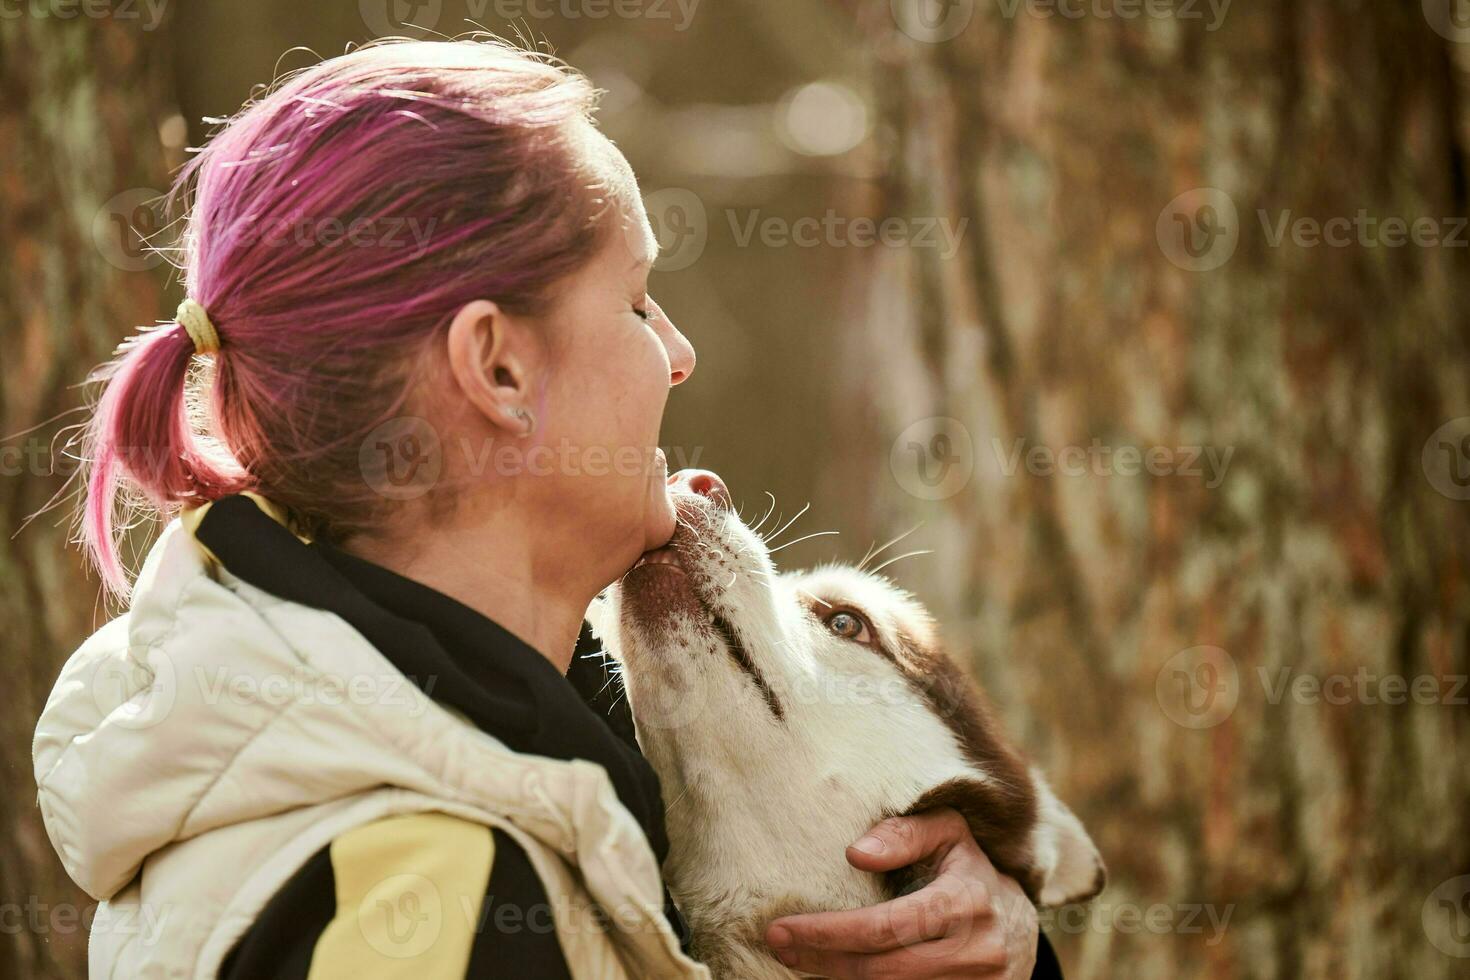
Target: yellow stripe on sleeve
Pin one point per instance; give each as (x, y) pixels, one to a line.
(409, 892)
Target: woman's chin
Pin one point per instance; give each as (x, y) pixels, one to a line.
(661, 521)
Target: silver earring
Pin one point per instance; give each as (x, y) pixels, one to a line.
(526, 417)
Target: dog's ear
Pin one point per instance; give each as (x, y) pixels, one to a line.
(1067, 863)
(1002, 815)
(1026, 832)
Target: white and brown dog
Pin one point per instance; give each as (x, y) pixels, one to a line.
(788, 713)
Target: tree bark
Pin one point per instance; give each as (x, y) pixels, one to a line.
(83, 127)
(1137, 618)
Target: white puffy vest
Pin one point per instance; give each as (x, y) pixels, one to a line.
(198, 750)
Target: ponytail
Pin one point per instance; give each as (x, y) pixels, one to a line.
(141, 431)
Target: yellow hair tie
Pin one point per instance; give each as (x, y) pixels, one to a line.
(195, 321)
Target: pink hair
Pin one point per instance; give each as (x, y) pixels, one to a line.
(465, 154)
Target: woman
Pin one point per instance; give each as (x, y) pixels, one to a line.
(335, 734)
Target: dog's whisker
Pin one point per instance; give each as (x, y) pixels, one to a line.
(906, 554)
(767, 515)
(782, 529)
(804, 537)
(874, 552)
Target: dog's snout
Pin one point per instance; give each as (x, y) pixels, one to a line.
(704, 483)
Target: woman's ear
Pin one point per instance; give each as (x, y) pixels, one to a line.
(493, 357)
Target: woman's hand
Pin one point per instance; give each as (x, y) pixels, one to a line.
(970, 921)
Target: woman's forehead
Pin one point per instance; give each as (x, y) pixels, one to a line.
(619, 187)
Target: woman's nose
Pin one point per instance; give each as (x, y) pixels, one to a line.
(704, 483)
(681, 351)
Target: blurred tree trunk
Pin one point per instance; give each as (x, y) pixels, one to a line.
(80, 121)
(1076, 314)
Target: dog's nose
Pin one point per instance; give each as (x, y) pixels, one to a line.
(704, 483)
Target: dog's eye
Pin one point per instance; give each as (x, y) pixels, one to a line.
(848, 625)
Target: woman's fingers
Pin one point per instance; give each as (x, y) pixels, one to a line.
(949, 928)
(901, 841)
(946, 907)
(940, 958)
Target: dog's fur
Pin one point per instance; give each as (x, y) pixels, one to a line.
(778, 742)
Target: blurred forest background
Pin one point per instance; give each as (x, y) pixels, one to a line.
(1128, 335)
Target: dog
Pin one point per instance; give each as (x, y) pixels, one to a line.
(786, 714)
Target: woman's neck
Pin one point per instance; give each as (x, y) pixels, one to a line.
(491, 567)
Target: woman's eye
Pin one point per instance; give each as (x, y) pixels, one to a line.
(644, 314)
(849, 626)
